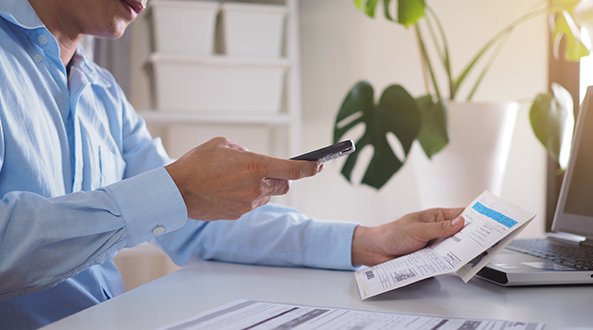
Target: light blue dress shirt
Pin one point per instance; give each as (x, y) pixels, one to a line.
(81, 179)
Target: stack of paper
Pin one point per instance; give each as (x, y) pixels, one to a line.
(490, 224)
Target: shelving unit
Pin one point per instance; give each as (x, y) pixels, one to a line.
(282, 129)
(165, 118)
(284, 125)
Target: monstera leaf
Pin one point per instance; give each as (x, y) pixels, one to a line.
(408, 11)
(424, 119)
(564, 26)
(434, 134)
(396, 112)
(552, 121)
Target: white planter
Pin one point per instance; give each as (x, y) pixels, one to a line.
(185, 83)
(253, 30)
(184, 27)
(474, 160)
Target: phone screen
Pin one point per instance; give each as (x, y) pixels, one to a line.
(328, 153)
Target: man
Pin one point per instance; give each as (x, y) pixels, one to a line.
(81, 179)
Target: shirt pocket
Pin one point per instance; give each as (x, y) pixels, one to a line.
(111, 166)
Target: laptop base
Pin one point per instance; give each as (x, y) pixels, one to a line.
(509, 268)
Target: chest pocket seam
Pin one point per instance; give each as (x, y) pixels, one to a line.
(107, 160)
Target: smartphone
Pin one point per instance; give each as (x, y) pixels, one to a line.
(328, 153)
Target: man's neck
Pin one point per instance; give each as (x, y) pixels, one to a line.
(67, 37)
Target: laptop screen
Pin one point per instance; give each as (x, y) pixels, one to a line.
(574, 212)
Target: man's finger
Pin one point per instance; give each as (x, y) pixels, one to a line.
(443, 229)
(440, 214)
(451, 213)
(292, 169)
(276, 187)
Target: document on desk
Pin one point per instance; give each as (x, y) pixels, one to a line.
(490, 224)
(258, 315)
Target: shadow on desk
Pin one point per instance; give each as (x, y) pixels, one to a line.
(142, 264)
(205, 285)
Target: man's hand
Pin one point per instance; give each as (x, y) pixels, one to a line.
(374, 245)
(223, 180)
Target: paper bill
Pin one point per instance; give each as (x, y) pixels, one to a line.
(259, 315)
(488, 221)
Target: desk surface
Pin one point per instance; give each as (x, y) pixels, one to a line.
(206, 285)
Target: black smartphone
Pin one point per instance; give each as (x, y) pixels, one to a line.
(328, 153)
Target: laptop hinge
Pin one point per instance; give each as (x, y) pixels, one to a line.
(587, 242)
(566, 238)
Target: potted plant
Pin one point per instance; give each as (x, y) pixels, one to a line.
(425, 118)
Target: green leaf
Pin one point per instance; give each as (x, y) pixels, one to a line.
(410, 11)
(370, 7)
(583, 14)
(396, 112)
(552, 121)
(433, 135)
(386, 12)
(565, 27)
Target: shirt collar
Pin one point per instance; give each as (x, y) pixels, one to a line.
(21, 13)
(82, 62)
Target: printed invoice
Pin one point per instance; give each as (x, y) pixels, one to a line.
(260, 315)
(490, 224)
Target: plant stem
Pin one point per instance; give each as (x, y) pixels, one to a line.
(493, 57)
(444, 53)
(507, 30)
(423, 65)
(426, 60)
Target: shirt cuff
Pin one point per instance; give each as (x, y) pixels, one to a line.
(329, 245)
(150, 204)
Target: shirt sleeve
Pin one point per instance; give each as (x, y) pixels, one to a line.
(269, 235)
(45, 240)
(81, 229)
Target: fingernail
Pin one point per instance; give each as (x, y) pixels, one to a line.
(320, 168)
(456, 221)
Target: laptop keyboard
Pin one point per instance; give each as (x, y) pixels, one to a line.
(578, 257)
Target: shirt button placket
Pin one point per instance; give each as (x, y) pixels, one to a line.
(42, 41)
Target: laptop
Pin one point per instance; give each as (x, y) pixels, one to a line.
(565, 256)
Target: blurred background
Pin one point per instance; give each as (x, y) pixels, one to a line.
(325, 48)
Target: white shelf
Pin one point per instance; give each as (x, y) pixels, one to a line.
(281, 124)
(168, 117)
(217, 59)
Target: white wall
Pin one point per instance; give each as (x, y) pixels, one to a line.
(340, 46)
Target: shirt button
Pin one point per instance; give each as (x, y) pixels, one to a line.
(37, 58)
(42, 39)
(158, 230)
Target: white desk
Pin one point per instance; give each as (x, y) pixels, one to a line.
(206, 285)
